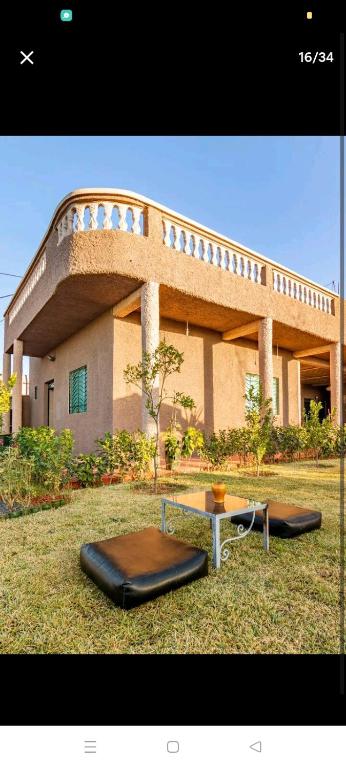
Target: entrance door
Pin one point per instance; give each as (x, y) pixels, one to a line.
(50, 403)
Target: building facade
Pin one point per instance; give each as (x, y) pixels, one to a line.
(115, 273)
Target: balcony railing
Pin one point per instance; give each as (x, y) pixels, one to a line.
(101, 215)
(28, 287)
(87, 210)
(195, 243)
(301, 291)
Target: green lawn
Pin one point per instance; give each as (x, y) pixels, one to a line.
(282, 602)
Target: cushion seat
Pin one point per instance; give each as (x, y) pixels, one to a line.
(139, 566)
(285, 520)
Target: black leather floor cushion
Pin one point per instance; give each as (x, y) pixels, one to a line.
(285, 520)
(137, 567)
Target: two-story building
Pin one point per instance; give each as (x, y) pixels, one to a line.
(116, 272)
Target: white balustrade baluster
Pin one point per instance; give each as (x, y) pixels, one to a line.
(167, 233)
(107, 219)
(187, 238)
(136, 227)
(69, 221)
(224, 259)
(177, 235)
(196, 245)
(93, 208)
(80, 211)
(122, 207)
(214, 254)
(205, 244)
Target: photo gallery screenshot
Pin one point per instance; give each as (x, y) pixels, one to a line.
(172, 386)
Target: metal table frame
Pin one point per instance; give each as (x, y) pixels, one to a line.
(220, 551)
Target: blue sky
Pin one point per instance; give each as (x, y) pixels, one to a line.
(277, 195)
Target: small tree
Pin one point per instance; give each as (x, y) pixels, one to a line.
(150, 376)
(5, 396)
(259, 420)
(320, 432)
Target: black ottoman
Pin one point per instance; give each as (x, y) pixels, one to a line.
(137, 567)
(285, 520)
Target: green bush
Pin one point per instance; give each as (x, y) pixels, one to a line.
(321, 433)
(50, 453)
(87, 468)
(192, 440)
(340, 441)
(16, 479)
(172, 445)
(215, 449)
(127, 452)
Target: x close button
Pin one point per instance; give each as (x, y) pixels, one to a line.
(26, 57)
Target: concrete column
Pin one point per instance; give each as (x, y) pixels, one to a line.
(336, 381)
(265, 354)
(293, 394)
(17, 389)
(150, 319)
(6, 373)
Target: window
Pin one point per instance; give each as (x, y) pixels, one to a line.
(252, 380)
(35, 393)
(78, 390)
(275, 396)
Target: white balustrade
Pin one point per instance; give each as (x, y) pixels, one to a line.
(28, 287)
(302, 292)
(207, 250)
(100, 217)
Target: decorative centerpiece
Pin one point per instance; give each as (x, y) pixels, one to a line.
(219, 492)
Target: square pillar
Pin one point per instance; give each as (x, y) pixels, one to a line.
(6, 373)
(265, 354)
(336, 383)
(150, 320)
(17, 389)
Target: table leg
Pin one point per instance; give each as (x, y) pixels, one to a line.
(266, 529)
(216, 542)
(163, 517)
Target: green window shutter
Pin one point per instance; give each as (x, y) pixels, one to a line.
(275, 396)
(78, 397)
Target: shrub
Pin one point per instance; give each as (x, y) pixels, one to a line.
(192, 440)
(50, 453)
(321, 433)
(87, 468)
(259, 420)
(172, 445)
(5, 396)
(127, 452)
(215, 449)
(340, 441)
(16, 479)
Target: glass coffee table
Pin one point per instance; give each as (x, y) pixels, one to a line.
(202, 503)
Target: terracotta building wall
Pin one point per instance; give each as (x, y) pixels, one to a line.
(213, 373)
(93, 347)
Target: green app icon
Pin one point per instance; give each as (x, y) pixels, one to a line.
(66, 15)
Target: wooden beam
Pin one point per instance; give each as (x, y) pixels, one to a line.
(128, 305)
(242, 330)
(313, 351)
(315, 362)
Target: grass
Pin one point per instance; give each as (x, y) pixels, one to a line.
(282, 602)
